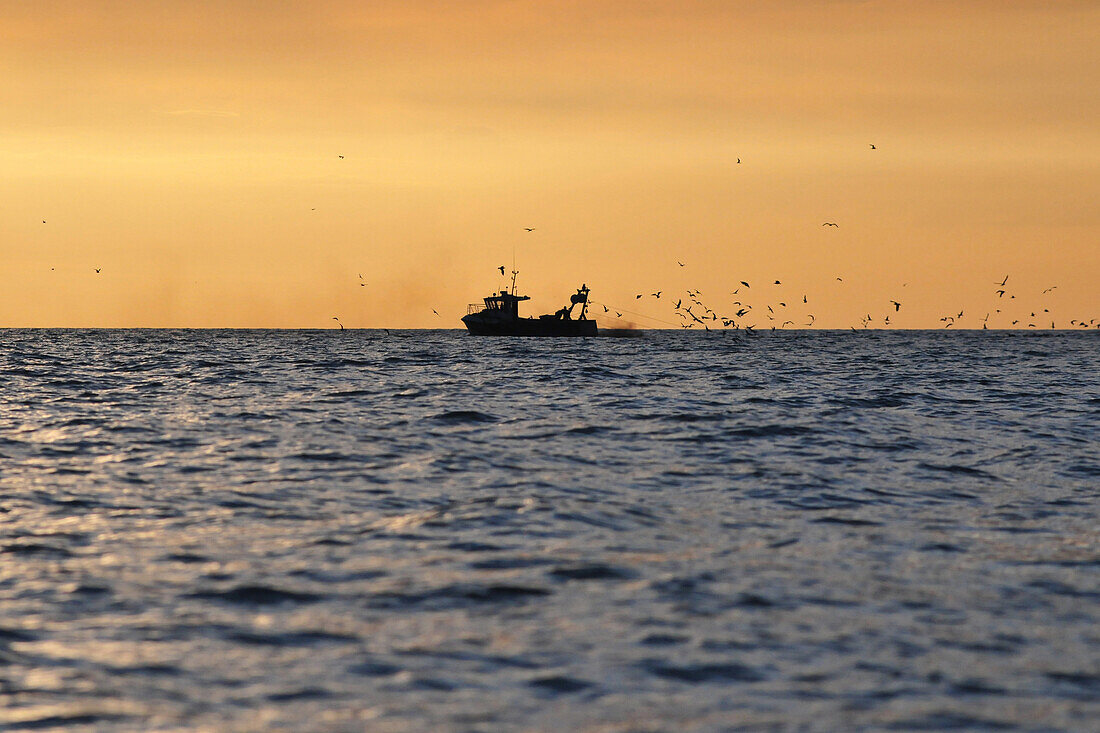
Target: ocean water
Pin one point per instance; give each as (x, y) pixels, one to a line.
(411, 531)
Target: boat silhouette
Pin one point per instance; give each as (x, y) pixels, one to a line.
(499, 316)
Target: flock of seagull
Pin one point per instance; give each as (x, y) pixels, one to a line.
(740, 313)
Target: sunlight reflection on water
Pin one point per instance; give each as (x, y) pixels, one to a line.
(245, 530)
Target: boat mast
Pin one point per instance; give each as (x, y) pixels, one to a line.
(514, 270)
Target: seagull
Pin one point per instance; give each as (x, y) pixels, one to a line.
(1002, 282)
(529, 229)
(43, 221)
(617, 313)
(337, 319)
(360, 276)
(681, 264)
(97, 270)
(831, 224)
(897, 305)
(738, 161)
(778, 283)
(501, 268)
(678, 300)
(744, 283)
(812, 319)
(340, 157)
(605, 309)
(1000, 293)
(362, 285)
(873, 146)
(656, 295)
(436, 312)
(638, 296)
(804, 299)
(1049, 289)
(840, 279)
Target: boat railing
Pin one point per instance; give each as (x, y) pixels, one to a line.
(473, 308)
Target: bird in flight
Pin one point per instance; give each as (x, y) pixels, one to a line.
(637, 296)
(1002, 282)
(605, 309)
(43, 221)
(360, 276)
(778, 283)
(436, 312)
(97, 270)
(1049, 289)
(840, 279)
(1000, 293)
(681, 264)
(656, 295)
(804, 299)
(873, 146)
(897, 305)
(501, 268)
(744, 283)
(338, 322)
(617, 313)
(738, 161)
(340, 157)
(831, 224)
(529, 229)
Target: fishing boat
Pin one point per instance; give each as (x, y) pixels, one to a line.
(499, 316)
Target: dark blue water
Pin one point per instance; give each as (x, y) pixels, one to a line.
(428, 531)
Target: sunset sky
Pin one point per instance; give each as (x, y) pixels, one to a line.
(190, 149)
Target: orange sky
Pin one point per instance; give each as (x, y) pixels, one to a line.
(190, 150)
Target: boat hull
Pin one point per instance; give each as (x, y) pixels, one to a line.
(530, 327)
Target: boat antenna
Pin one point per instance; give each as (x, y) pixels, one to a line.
(514, 270)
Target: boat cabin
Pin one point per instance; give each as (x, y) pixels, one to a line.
(505, 303)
